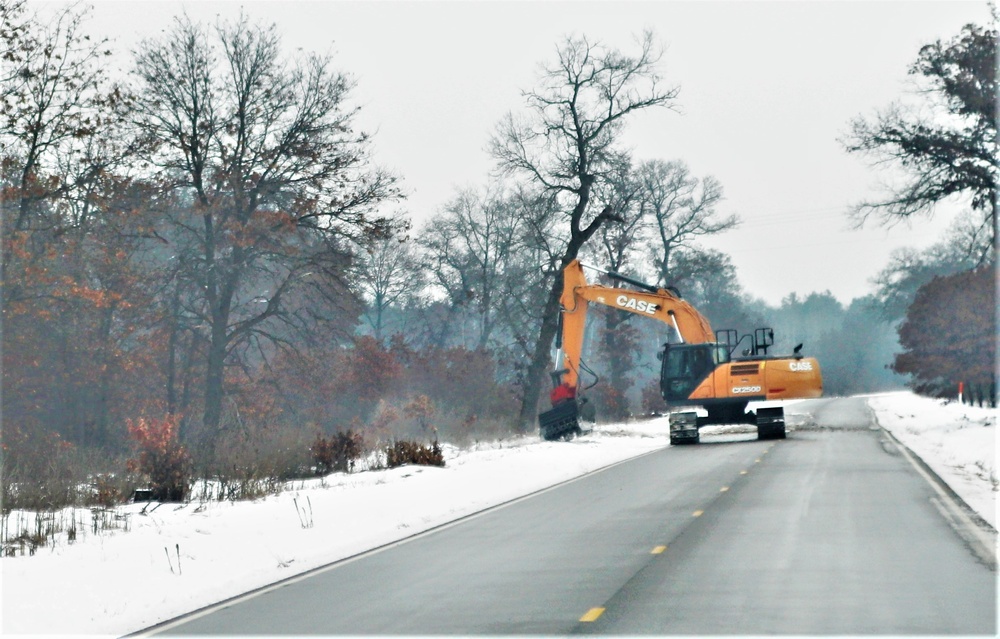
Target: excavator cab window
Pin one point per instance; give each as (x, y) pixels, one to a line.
(720, 354)
(686, 366)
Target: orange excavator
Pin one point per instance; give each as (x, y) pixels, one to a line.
(720, 372)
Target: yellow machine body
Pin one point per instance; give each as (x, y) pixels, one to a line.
(765, 379)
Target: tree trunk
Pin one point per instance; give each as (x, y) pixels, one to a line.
(104, 386)
(175, 305)
(215, 368)
(535, 376)
(664, 277)
(996, 221)
(618, 350)
(214, 377)
(186, 384)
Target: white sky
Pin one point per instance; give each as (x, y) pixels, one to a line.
(767, 88)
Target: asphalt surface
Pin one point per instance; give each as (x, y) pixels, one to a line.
(831, 531)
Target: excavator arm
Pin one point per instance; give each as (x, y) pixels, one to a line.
(659, 304)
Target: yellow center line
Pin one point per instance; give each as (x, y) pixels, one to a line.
(757, 461)
(658, 550)
(743, 472)
(697, 513)
(724, 489)
(592, 615)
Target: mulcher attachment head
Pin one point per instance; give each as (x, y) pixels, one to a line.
(560, 422)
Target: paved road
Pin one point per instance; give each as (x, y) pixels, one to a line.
(830, 531)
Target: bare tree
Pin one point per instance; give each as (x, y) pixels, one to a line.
(949, 147)
(523, 288)
(14, 46)
(565, 146)
(56, 103)
(908, 269)
(619, 245)
(388, 274)
(469, 248)
(52, 101)
(278, 185)
(71, 220)
(681, 208)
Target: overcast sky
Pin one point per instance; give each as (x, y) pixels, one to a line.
(766, 90)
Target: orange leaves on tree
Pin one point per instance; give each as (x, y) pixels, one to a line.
(372, 370)
(263, 229)
(161, 456)
(154, 434)
(99, 298)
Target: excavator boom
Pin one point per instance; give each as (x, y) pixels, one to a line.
(659, 304)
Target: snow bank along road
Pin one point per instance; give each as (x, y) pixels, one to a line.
(832, 531)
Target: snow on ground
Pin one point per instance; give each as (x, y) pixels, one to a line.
(179, 557)
(176, 558)
(958, 442)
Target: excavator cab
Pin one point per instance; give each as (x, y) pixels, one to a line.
(685, 367)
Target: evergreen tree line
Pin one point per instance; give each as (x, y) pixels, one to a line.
(198, 259)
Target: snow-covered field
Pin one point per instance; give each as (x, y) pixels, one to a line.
(177, 558)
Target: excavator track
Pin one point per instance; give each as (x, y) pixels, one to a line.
(770, 423)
